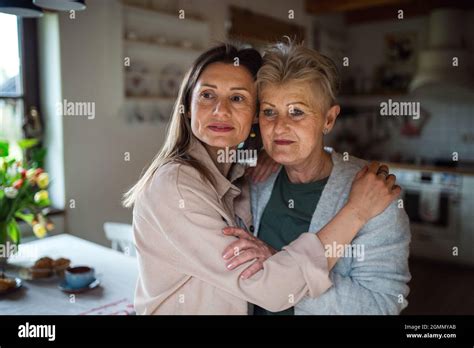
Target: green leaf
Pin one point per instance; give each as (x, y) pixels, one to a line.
(44, 203)
(4, 146)
(37, 157)
(27, 143)
(14, 231)
(28, 218)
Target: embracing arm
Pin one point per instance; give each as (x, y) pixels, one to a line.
(370, 195)
(340, 230)
(377, 281)
(180, 219)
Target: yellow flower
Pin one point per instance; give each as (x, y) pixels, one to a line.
(42, 180)
(41, 196)
(30, 173)
(39, 230)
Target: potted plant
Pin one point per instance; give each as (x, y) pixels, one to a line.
(23, 195)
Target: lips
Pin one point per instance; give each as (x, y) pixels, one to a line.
(283, 142)
(220, 127)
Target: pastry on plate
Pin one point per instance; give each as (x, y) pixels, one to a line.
(46, 267)
(7, 284)
(43, 268)
(44, 262)
(60, 265)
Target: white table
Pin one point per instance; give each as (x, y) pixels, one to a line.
(116, 271)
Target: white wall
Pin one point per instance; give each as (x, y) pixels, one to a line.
(96, 174)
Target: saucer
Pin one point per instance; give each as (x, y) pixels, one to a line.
(18, 284)
(64, 286)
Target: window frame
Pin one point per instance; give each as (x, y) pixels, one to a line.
(28, 51)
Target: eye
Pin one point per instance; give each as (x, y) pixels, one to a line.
(296, 112)
(206, 95)
(237, 98)
(268, 112)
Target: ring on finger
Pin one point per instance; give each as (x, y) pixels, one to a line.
(383, 172)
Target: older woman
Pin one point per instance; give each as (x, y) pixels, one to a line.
(297, 89)
(187, 197)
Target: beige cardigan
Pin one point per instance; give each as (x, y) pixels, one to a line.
(178, 222)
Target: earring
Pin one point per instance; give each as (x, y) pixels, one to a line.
(325, 131)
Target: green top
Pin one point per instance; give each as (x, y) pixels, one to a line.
(287, 215)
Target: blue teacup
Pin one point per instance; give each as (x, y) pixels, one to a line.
(79, 277)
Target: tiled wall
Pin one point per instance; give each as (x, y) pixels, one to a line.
(449, 129)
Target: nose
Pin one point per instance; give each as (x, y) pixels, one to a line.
(221, 109)
(280, 125)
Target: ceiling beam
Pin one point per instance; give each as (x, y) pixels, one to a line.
(376, 10)
(324, 6)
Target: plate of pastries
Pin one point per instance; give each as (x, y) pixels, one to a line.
(8, 285)
(45, 268)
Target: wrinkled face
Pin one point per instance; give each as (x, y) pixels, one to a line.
(291, 121)
(223, 105)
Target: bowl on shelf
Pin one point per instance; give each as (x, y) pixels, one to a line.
(170, 80)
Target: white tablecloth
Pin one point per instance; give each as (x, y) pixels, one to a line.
(116, 271)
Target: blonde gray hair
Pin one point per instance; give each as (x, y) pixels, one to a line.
(289, 62)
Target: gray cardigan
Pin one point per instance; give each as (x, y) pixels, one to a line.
(373, 284)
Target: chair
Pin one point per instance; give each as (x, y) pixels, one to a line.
(121, 236)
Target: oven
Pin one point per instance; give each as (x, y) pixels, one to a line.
(432, 201)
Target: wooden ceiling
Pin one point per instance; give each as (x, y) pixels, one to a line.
(255, 28)
(375, 10)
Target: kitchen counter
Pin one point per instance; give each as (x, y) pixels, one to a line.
(465, 170)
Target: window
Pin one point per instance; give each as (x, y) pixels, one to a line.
(19, 98)
(11, 88)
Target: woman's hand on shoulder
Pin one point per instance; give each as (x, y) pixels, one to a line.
(373, 189)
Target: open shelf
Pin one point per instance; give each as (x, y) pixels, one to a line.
(161, 46)
(154, 12)
(150, 97)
